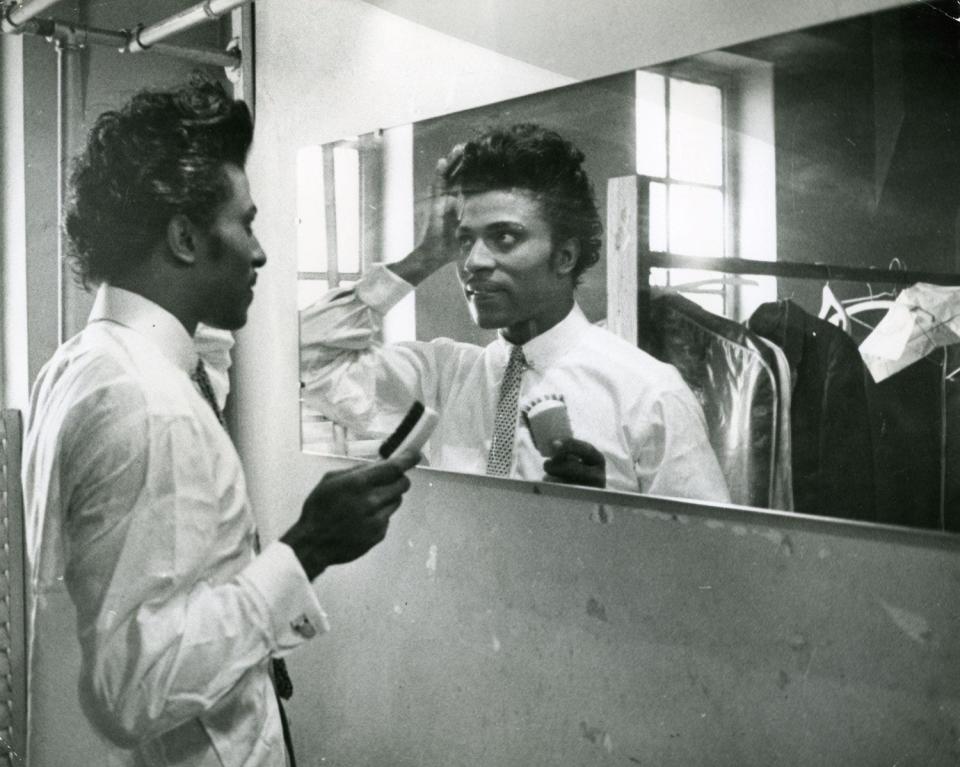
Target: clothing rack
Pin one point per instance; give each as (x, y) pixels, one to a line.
(629, 261)
(796, 269)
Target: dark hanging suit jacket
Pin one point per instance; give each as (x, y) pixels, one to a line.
(833, 457)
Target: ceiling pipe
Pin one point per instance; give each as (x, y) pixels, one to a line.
(17, 14)
(82, 35)
(143, 38)
(73, 304)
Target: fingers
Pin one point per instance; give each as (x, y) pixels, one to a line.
(385, 477)
(438, 189)
(445, 207)
(374, 474)
(377, 474)
(376, 524)
(577, 462)
(438, 236)
(578, 449)
(440, 173)
(452, 162)
(438, 199)
(405, 459)
(567, 468)
(379, 497)
(383, 514)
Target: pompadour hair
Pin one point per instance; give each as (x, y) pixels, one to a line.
(160, 155)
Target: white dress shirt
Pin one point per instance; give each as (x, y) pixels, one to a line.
(140, 542)
(633, 408)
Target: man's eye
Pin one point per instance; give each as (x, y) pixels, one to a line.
(505, 240)
(465, 242)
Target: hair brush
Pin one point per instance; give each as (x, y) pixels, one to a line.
(414, 430)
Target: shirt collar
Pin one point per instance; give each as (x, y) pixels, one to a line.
(548, 347)
(147, 318)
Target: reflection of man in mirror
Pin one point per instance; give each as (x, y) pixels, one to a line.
(515, 211)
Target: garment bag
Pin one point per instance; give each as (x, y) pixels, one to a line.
(733, 375)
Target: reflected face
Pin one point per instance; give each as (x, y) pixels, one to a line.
(512, 275)
(227, 268)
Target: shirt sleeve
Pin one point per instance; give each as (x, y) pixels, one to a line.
(174, 610)
(677, 459)
(348, 374)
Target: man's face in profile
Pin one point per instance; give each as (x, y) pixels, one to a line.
(227, 270)
(506, 263)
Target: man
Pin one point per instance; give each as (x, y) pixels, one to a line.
(136, 502)
(514, 210)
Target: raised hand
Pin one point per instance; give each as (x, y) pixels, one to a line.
(437, 246)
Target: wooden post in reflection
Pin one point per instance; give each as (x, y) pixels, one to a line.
(628, 270)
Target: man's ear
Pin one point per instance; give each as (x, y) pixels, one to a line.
(183, 239)
(565, 257)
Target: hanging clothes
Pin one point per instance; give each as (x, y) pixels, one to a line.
(907, 429)
(917, 406)
(783, 476)
(733, 375)
(951, 441)
(832, 455)
(924, 317)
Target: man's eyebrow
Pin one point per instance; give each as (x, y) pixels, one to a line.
(506, 224)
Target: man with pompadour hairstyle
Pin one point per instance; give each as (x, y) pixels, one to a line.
(514, 210)
(156, 623)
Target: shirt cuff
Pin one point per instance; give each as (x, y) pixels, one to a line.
(294, 611)
(381, 289)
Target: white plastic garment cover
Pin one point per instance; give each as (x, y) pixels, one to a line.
(923, 318)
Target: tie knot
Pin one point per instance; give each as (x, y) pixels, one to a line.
(516, 357)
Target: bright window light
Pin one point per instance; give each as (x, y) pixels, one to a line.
(696, 220)
(651, 123)
(311, 218)
(658, 217)
(696, 132)
(346, 175)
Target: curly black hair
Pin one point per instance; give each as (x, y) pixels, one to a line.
(529, 157)
(160, 155)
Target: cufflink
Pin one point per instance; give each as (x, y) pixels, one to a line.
(304, 627)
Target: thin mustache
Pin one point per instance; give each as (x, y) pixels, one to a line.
(482, 287)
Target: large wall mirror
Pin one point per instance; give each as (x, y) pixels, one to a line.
(781, 225)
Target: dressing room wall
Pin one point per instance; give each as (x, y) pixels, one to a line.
(510, 623)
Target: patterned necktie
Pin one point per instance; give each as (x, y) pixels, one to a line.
(500, 459)
(282, 683)
(202, 380)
